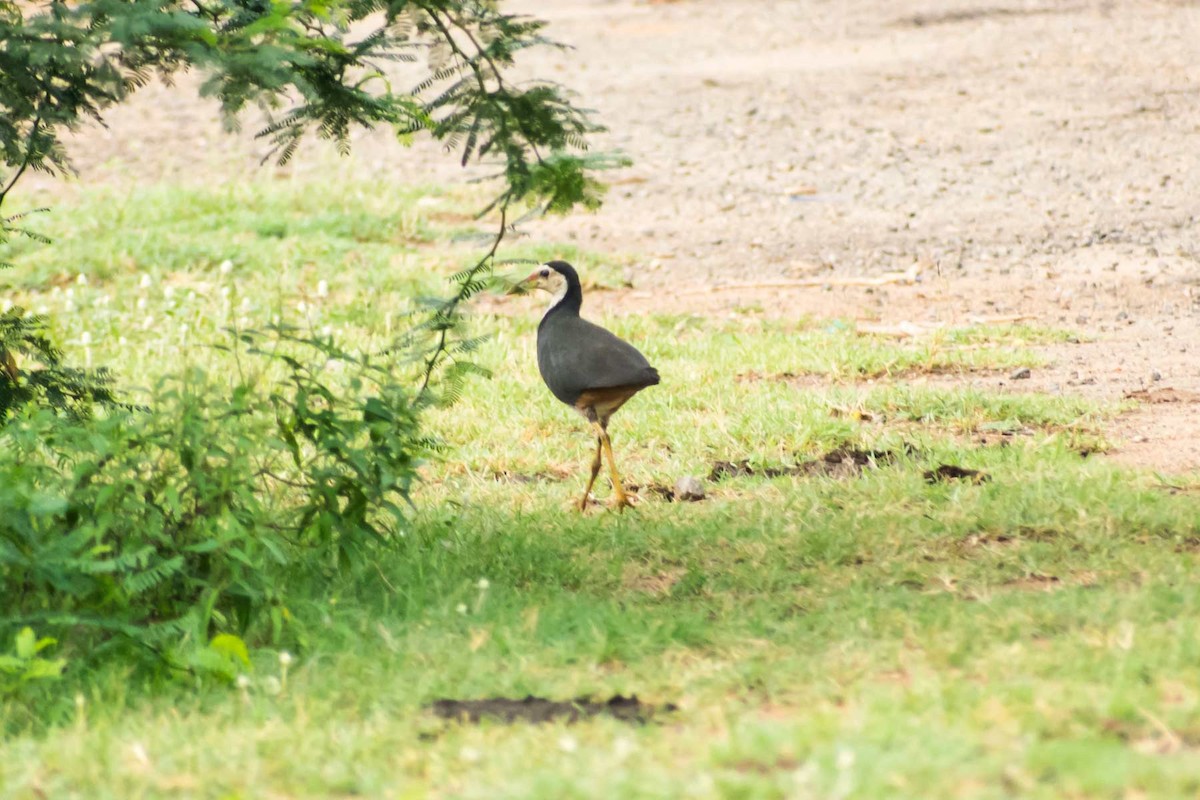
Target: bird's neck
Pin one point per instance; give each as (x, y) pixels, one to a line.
(567, 299)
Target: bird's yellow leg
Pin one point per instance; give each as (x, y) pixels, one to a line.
(592, 480)
(620, 500)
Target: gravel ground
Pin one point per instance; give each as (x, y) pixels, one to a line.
(1033, 159)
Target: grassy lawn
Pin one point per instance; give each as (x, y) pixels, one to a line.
(853, 632)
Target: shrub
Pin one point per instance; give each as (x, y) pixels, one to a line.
(154, 531)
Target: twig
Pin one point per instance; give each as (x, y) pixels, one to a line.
(33, 132)
(440, 350)
(1173, 743)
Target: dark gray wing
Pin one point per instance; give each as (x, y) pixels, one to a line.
(575, 355)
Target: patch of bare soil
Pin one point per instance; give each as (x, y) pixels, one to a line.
(951, 472)
(1167, 395)
(975, 14)
(538, 709)
(1035, 582)
(843, 462)
(1029, 160)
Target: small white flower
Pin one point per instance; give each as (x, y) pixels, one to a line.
(183, 328)
(245, 304)
(568, 744)
(147, 323)
(461, 608)
(469, 754)
(69, 292)
(483, 584)
(145, 281)
(322, 288)
(302, 306)
(70, 306)
(226, 267)
(6, 305)
(327, 330)
(285, 658)
(43, 309)
(141, 302)
(82, 279)
(243, 681)
(122, 341)
(85, 339)
(169, 292)
(225, 291)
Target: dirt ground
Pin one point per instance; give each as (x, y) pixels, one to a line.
(1033, 160)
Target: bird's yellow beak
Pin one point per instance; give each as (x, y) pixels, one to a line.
(525, 284)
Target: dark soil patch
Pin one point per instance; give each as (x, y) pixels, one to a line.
(1188, 544)
(949, 472)
(842, 462)
(1010, 538)
(659, 490)
(814, 379)
(974, 14)
(1164, 395)
(1036, 582)
(504, 476)
(794, 378)
(539, 709)
(685, 490)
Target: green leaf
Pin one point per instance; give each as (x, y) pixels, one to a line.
(47, 505)
(26, 644)
(232, 647)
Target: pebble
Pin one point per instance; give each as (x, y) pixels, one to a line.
(689, 489)
(1021, 374)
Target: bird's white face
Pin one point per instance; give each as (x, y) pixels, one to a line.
(549, 280)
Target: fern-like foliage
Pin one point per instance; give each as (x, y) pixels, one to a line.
(39, 374)
(145, 529)
(319, 68)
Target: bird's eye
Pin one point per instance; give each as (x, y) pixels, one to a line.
(545, 273)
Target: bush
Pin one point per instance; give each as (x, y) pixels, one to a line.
(155, 531)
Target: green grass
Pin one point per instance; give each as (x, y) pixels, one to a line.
(866, 636)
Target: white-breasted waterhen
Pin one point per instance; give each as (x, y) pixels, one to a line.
(585, 366)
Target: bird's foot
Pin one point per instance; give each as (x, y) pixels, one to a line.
(581, 505)
(620, 502)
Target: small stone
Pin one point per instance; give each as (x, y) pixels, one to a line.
(689, 489)
(1156, 376)
(1021, 374)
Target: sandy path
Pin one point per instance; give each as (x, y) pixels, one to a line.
(1040, 159)
(1034, 158)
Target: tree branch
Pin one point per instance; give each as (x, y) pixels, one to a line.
(440, 350)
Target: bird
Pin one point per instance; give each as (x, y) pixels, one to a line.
(585, 366)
